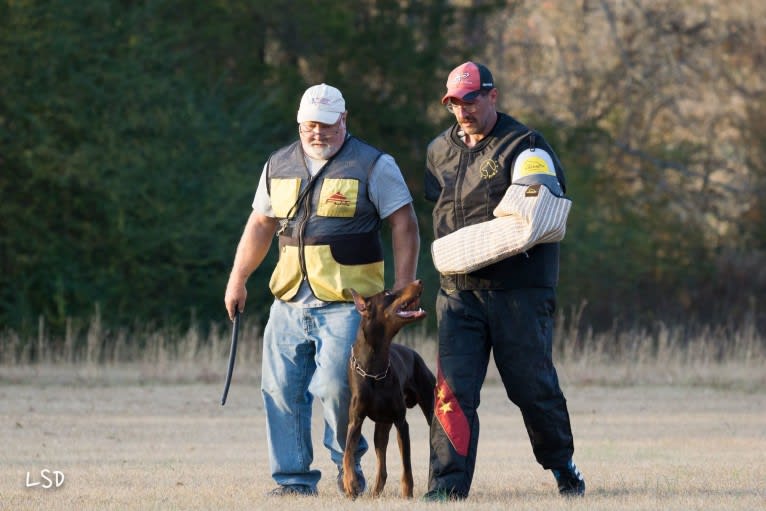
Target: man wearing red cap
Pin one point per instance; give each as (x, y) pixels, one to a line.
(505, 308)
(324, 196)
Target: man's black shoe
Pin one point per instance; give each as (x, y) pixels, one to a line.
(442, 495)
(569, 480)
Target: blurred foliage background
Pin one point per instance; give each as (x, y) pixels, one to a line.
(133, 133)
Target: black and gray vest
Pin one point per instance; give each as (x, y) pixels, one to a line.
(466, 183)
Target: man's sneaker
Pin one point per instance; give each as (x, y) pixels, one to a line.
(441, 495)
(569, 480)
(359, 477)
(292, 490)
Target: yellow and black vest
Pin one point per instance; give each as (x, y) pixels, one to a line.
(330, 230)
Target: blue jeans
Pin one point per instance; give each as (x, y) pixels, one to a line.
(305, 356)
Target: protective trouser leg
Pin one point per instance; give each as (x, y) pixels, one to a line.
(462, 366)
(522, 336)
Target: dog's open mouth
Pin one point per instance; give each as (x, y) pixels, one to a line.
(405, 303)
(410, 310)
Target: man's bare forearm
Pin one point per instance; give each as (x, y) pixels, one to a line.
(251, 251)
(406, 245)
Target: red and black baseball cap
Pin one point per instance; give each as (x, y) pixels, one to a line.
(466, 81)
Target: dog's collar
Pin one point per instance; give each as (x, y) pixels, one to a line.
(364, 374)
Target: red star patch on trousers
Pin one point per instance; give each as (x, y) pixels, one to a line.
(339, 199)
(451, 416)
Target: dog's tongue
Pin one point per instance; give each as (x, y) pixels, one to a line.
(410, 314)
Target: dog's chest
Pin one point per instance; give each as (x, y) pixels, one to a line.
(385, 404)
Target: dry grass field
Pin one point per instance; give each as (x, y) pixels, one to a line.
(662, 430)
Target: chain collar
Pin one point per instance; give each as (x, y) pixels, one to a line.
(364, 374)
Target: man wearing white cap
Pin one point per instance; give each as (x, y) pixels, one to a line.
(324, 196)
(488, 163)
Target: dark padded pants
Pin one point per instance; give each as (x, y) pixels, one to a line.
(516, 326)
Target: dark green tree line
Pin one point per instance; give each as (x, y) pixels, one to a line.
(132, 136)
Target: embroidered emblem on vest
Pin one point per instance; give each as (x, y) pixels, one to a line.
(488, 169)
(339, 199)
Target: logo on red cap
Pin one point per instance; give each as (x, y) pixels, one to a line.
(458, 77)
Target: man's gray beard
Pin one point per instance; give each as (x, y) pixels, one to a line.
(321, 154)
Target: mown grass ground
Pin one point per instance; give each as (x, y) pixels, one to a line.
(661, 422)
(142, 445)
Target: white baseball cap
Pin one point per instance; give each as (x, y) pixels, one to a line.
(321, 103)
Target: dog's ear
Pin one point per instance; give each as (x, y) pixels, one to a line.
(359, 301)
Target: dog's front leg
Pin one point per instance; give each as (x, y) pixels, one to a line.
(382, 431)
(350, 480)
(403, 434)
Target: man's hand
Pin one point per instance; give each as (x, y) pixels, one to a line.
(235, 298)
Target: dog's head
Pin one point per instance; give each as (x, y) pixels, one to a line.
(391, 310)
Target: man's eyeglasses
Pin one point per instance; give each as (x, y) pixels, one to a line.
(322, 131)
(469, 108)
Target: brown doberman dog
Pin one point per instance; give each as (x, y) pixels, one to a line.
(385, 379)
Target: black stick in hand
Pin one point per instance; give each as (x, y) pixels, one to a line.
(232, 355)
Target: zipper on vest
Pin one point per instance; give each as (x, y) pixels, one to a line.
(302, 230)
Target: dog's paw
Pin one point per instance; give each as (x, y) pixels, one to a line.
(352, 489)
